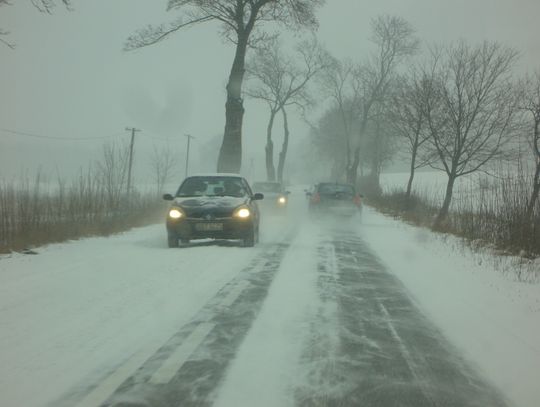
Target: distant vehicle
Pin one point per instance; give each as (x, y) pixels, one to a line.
(217, 206)
(275, 196)
(334, 198)
(309, 190)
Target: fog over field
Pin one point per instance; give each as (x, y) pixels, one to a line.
(68, 76)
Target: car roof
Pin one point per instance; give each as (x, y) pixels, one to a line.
(216, 174)
(267, 182)
(334, 183)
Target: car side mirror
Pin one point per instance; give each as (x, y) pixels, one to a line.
(257, 197)
(168, 197)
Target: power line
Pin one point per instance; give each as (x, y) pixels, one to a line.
(26, 134)
(167, 139)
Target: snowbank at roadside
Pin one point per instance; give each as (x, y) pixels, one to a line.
(493, 319)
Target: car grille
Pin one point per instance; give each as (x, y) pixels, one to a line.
(206, 215)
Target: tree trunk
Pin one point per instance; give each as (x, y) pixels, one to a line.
(443, 212)
(536, 184)
(230, 154)
(373, 184)
(413, 165)
(352, 170)
(284, 147)
(535, 192)
(269, 149)
(374, 171)
(350, 153)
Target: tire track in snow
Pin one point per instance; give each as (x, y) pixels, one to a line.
(189, 367)
(370, 345)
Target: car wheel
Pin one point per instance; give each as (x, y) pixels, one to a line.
(249, 240)
(172, 241)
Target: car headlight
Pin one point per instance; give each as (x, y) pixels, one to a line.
(175, 214)
(282, 200)
(243, 213)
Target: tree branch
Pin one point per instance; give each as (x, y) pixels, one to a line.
(152, 35)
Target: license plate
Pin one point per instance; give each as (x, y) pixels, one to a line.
(209, 227)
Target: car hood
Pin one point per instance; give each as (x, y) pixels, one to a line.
(218, 206)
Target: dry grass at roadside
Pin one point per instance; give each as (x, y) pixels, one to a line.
(32, 214)
(489, 214)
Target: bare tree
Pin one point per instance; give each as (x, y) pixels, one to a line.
(3, 32)
(241, 22)
(469, 107)
(379, 147)
(329, 141)
(531, 104)
(338, 83)
(112, 170)
(45, 6)
(280, 82)
(395, 41)
(163, 162)
(406, 115)
(268, 68)
(357, 90)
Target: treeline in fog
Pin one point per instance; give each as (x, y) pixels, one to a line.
(458, 108)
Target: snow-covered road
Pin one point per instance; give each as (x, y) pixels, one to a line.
(319, 314)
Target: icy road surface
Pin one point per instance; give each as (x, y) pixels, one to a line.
(310, 317)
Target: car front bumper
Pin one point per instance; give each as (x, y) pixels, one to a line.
(221, 228)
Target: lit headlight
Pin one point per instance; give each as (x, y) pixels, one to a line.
(282, 200)
(243, 213)
(175, 214)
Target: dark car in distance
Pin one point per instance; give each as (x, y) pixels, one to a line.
(334, 198)
(216, 206)
(276, 198)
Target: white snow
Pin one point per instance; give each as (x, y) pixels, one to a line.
(492, 318)
(265, 368)
(76, 312)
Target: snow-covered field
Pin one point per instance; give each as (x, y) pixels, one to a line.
(431, 183)
(80, 317)
(469, 190)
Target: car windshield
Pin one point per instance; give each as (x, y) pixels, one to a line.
(212, 186)
(327, 189)
(267, 187)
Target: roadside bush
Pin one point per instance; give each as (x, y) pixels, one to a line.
(496, 212)
(492, 213)
(414, 208)
(369, 186)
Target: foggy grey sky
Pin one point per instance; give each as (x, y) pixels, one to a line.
(69, 77)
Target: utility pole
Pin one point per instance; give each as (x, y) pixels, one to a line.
(189, 137)
(132, 144)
